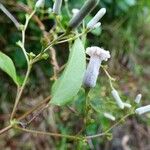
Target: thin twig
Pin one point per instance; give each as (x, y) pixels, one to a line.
(35, 108)
(23, 35)
(36, 115)
(50, 134)
(20, 93)
(18, 96)
(26, 114)
(108, 130)
(54, 61)
(10, 16)
(5, 129)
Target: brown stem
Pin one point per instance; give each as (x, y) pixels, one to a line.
(5, 129)
(50, 134)
(41, 103)
(26, 114)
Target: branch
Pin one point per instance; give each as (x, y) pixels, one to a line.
(26, 114)
(20, 93)
(10, 16)
(50, 134)
(108, 130)
(5, 129)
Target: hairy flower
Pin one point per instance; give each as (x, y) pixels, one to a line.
(75, 11)
(127, 105)
(96, 18)
(39, 3)
(57, 7)
(84, 11)
(142, 110)
(109, 116)
(138, 98)
(117, 98)
(97, 55)
(97, 25)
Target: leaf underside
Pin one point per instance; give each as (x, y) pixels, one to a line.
(70, 82)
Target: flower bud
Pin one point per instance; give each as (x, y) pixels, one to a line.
(57, 7)
(39, 3)
(127, 105)
(97, 55)
(138, 98)
(117, 98)
(96, 18)
(45, 56)
(97, 25)
(142, 110)
(109, 116)
(84, 11)
(75, 11)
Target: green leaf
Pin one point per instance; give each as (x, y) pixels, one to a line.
(71, 80)
(7, 65)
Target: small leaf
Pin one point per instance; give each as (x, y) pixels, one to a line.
(7, 65)
(71, 80)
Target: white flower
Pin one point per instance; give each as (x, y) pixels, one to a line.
(39, 3)
(98, 52)
(96, 18)
(109, 116)
(75, 11)
(117, 98)
(57, 7)
(127, 105)
(97, 25)
(138, 98)
(142, 110)
(97, 55)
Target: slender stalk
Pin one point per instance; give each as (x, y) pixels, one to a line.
(86, 106)
(23, 35)
(10, 16)
(67, 8)
(59, 22)
(26, 114)
(5, 129)
(71, 39)
(20, 91)
(108, 130)
(38, 57)
(50, 134)
(35, 108)
(37, 114)
(109, 77)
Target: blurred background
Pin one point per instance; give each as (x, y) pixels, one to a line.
(125, 31)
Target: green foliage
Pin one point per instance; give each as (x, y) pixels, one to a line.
(7, 65)
(71, 80)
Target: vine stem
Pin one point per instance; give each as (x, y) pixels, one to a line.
(37, 106)
(27, 113)
(5, 129)
(38, 57)
(10, 16)
(49, 133)
(29, 65)
(109, 77)
(23, 35)
(20, 91)
(71, 39)
(87, 90)
(108, 130)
